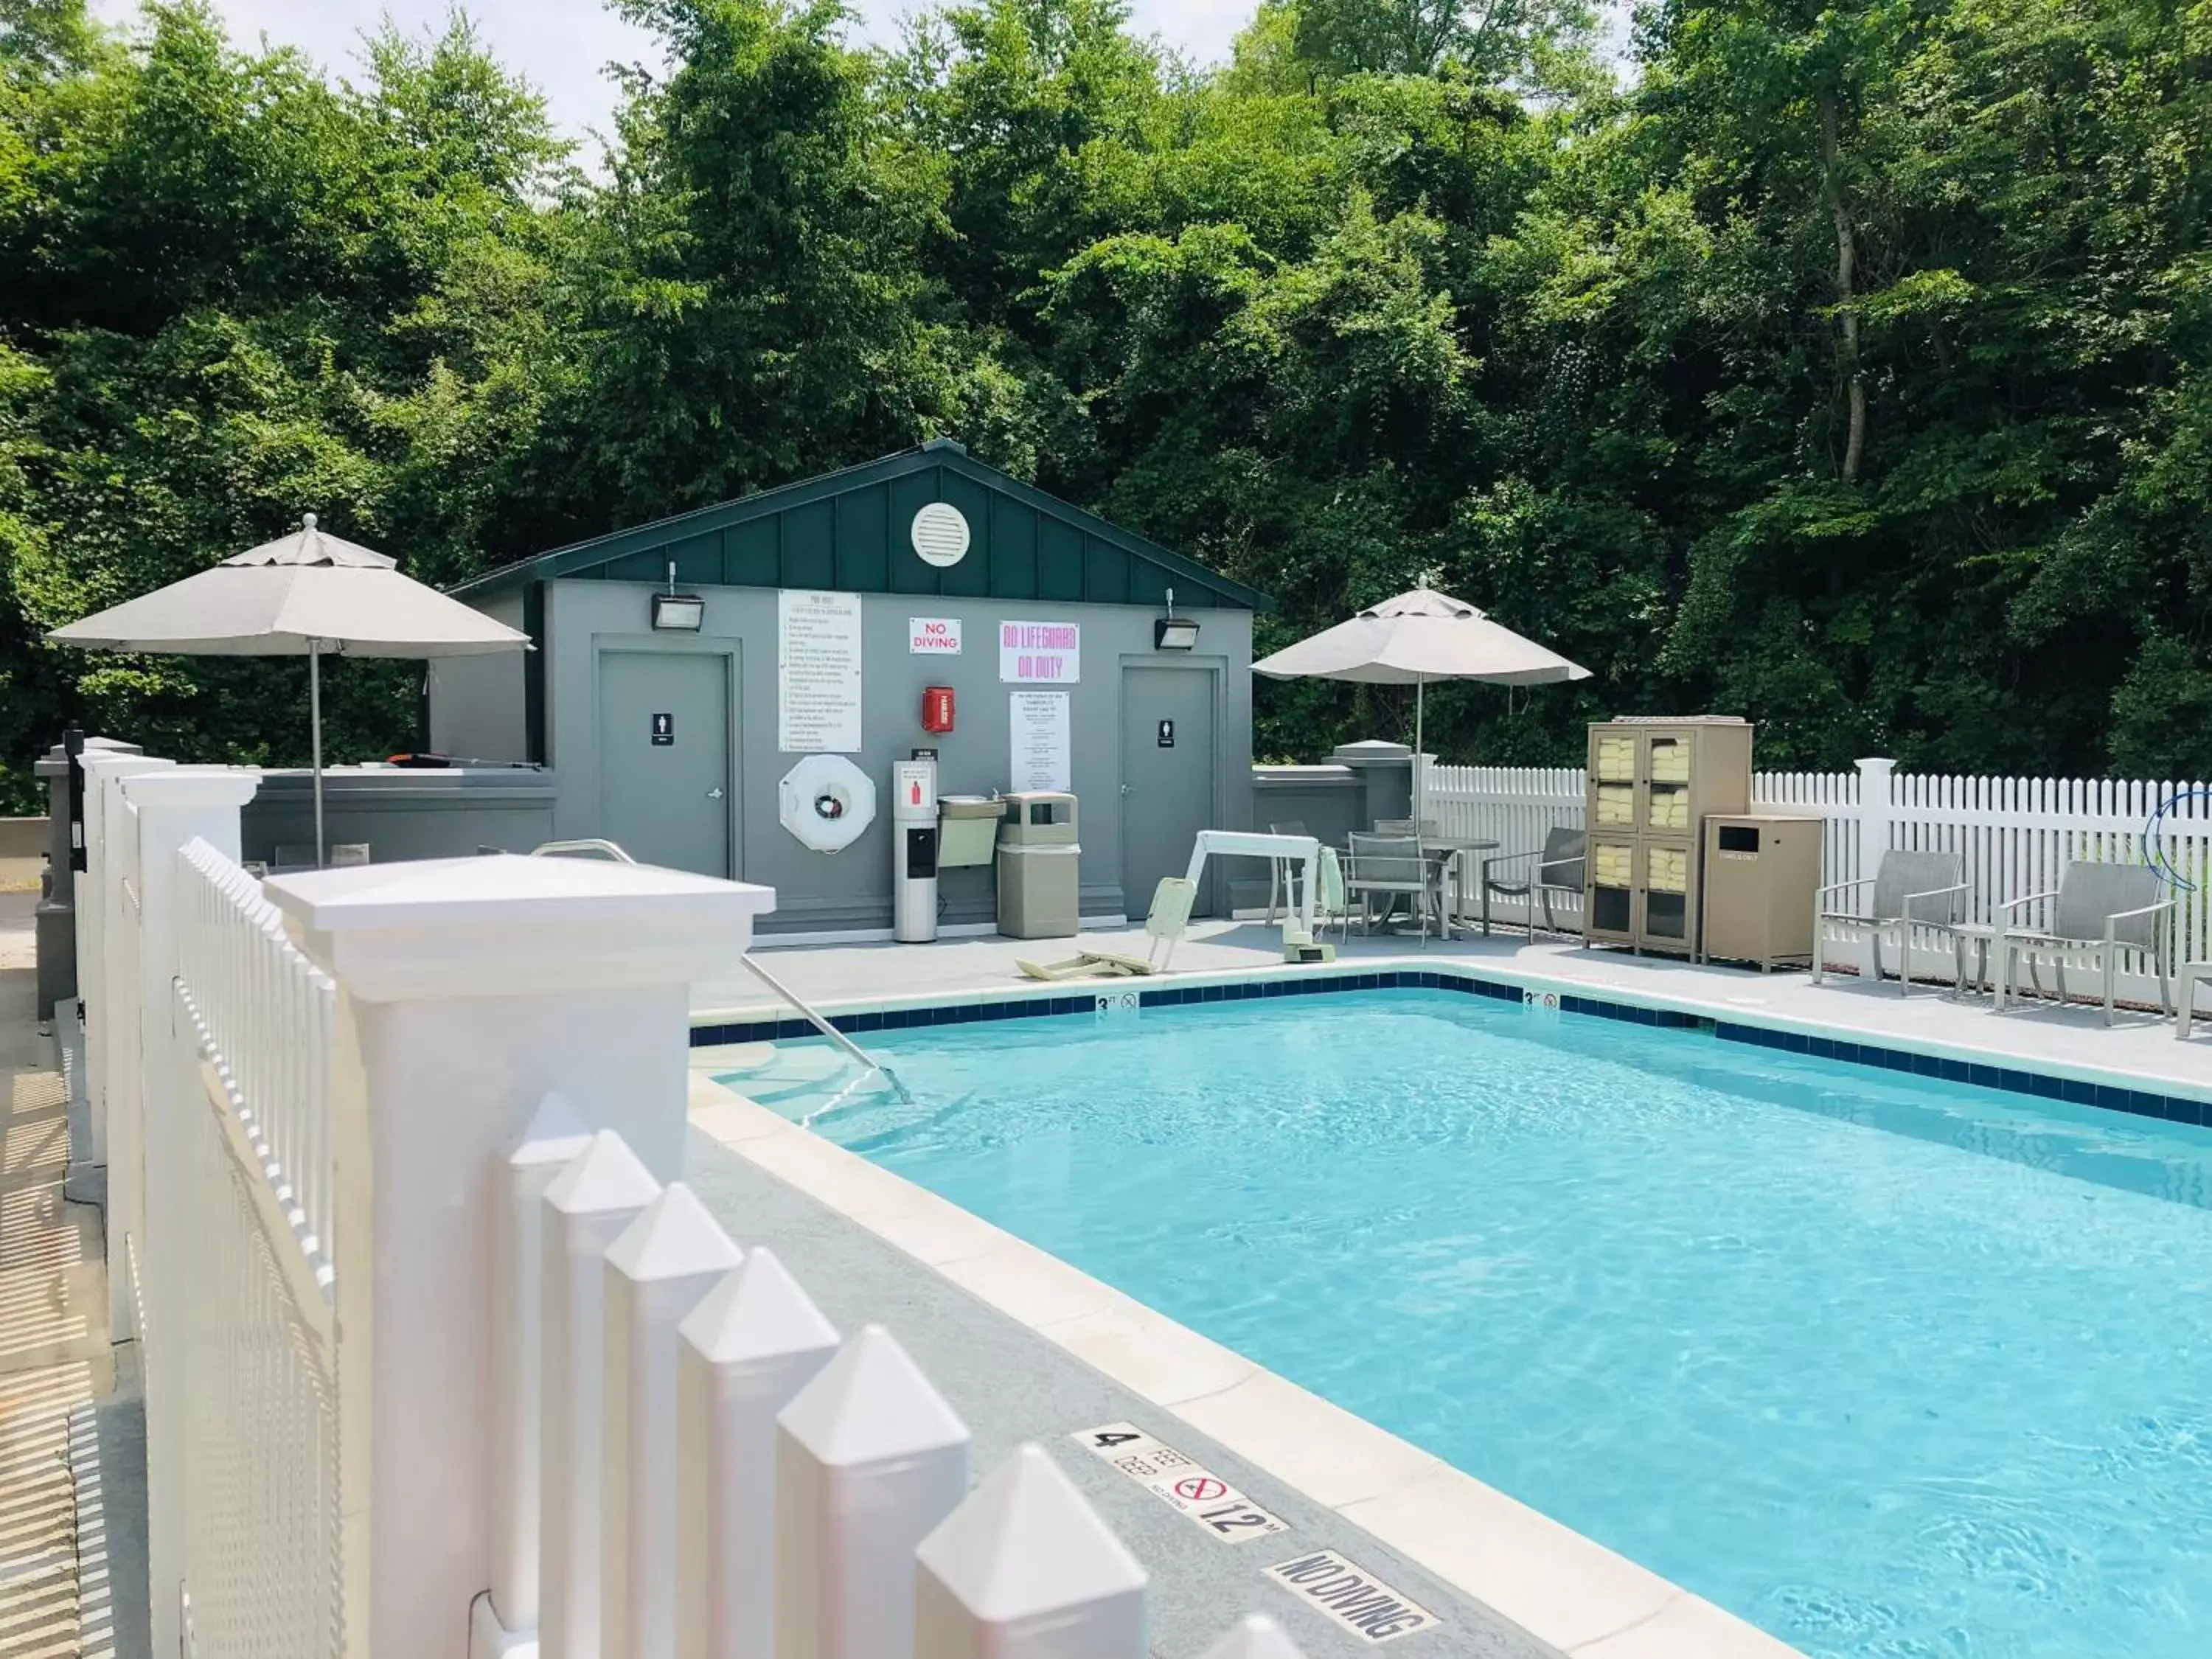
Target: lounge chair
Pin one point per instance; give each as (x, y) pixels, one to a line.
(1166, 923)
(1912, 889)
(2096, 912)
(1557, 869)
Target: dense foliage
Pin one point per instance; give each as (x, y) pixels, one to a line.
(1847, 365)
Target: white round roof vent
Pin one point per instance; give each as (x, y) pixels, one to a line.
(940, 534)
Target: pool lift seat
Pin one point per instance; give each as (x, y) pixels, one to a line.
(1320, 893)
(1166, 923)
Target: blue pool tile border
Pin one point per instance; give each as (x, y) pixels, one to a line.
(2138, 1102)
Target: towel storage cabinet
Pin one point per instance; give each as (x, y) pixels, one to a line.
(1652, 783)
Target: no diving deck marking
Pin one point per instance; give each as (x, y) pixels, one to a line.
(1203, 1497)
(1354, 1597)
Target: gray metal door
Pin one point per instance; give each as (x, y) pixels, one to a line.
(1167, 779)
(665, 761)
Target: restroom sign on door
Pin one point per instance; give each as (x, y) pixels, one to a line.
(664, 730)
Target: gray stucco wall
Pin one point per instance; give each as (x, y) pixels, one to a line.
(853, 888)
(477, 702)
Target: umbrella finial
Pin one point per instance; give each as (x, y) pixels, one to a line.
(307, 522)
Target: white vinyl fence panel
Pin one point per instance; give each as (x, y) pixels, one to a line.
(255, 1330)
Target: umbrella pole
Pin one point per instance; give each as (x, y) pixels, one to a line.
(1420, 688)
(315, 720)
(1420, 852)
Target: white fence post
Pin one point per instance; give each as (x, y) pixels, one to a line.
(106, 986)
(869, 1458)
(1876, 802)
(1256, 1637)
(755, 1341)
(1025, 1569)
(174, 805)
(656, 1273)
(556, 1136)
(587, 1208)
(468, 989)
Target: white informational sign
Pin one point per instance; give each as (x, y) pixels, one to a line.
(1197, 1494)
(1040, 653)
(1043, 757)
(933, 636)
(818, 672)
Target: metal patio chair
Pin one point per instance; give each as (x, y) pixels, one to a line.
(1391, 867)
(2096, 912)
(1910, 890)
(1557, 869)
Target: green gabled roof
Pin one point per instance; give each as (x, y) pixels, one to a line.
(848, 530)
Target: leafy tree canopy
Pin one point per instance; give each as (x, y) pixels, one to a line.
(1845, 364)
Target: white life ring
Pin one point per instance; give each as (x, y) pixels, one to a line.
(827, 802)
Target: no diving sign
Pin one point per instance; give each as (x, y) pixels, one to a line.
(1198, 1494)
(1354, 1597)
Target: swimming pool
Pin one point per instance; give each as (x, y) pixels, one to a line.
(1889, 1365)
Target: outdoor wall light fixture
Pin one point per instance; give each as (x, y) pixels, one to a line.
(684, 613)
(1174, 633)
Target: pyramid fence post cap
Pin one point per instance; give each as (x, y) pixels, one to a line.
(870, 1402)
(758, 1313)
(606, 1177)
(555, 1133)
(1025, 1543)
(674, 1236)
(1256, 1636)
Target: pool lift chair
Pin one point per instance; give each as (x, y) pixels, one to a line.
(1320, 894)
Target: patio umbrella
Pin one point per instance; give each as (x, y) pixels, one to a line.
(1415, 638)
(308, 594)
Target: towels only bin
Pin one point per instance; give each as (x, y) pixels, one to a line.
(1040, 887)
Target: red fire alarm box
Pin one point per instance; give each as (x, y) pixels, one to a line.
(936, 709)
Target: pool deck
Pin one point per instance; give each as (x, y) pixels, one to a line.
(1504, 1576)
(2140, 1051)
(1010, 1384)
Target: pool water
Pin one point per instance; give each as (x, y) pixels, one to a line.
(1888, 1365)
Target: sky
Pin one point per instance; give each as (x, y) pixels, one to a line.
(559, 45)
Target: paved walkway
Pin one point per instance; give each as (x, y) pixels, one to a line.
(56, 1363)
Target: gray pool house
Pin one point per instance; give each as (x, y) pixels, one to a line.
(730, 690)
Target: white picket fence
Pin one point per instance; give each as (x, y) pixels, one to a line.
(715, 1473)
(253, 1318)
(340, 1184)
(2014, 835)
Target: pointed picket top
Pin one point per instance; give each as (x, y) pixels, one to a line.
(758, 1313)
(673, 1238)
(556, 1134)
(1025, 1542)
(870, 1401)
(1256, 1637)
(606, 1175)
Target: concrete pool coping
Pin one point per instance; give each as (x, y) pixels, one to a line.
(1566, 1590)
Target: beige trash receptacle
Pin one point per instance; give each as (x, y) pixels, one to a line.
(1039, 865)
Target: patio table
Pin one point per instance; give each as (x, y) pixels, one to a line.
(1444, 852)
(1978, 934)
